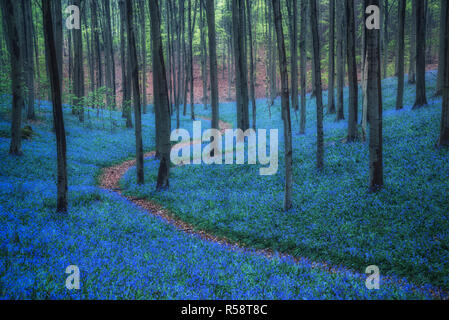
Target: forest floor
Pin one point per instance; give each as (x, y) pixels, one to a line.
(123, 252)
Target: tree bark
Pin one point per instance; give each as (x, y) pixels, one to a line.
(285, 106)
(126, 83)
(331, 100)
(160, 96)
(58, 117)
(251, 63)
(444, 128)
(340, 61)
(78, 81)
(132, 53)
(352, 73)
(374, 97)
(412, 65)
(240, 64)
(10, 12)
(28, 67)
(317, 71)
(421, 99)
(210, 15)
(441, 62)
(400, 40)
(302, 67)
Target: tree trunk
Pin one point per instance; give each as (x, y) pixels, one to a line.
(352, 73)
(251, 63)
(10, 12)
(210, 15)
(203, 53)
(421, 99)
(302, 67)
(240, 64)
(28, 67)
(160, 96)
(285, 106)
(58, 118)
(109, 55)
(400, 40)
(340, 61)
(374, 97)
(412, 66)
(132, 54)
(97, 49)
(78, 85)
(331, 100)
(126, 84)
(319, 98)
(444, 129)
(441, 62)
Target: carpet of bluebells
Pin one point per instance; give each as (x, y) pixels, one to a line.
(124, 253)
(404, 229)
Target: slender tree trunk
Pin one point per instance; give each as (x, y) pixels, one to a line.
(126, 83)
(143, 43)
(374, 96)
(285, 106)
(302, 67)
(10, 13)
(78, 86)
(97, 49)
(441, 62)
(444, 129)
(352, 73)
(58, 34)
(58, 117)
(331, 100)
(412, 66)
(317, 71)
(421, 99)
(109, 55)
(292, 8)
(340, 61)
(204, 54)
(251, 63)
(210, 15)
(240, 64)
(400, 40)
(132, 53)
(160, 95)
(28, 57)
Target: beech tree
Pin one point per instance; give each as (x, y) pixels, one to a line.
(420, 22)
(319, 98)
(210, 15)
(352, 72)
(11, 15)
(374, 98)
(58, 118)
(285, 101)
(132, 53)
(330, 95)
(400, 40)
(302, 67)
(78, 72)
(160, 90)
(241, 70)
(444, 128)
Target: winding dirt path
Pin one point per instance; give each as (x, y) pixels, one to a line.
(110, 180)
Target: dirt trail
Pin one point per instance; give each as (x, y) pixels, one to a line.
(110, 180)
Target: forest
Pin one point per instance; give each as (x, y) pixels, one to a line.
(224, 149)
